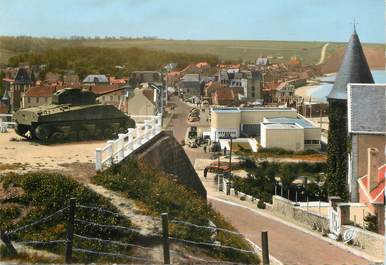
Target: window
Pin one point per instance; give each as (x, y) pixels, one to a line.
(46, 99)
(307, 142)
(28, 99)
(111, 98)
(37, 99)
(315, 142)
(253, 88)
(253, 94)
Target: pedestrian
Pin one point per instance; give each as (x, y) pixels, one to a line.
(225, 150)
(205, 148)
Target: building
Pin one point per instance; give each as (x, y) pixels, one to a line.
(371, 186)
(17, 87)
(366, 127)
(251, 84)
(142, 103)
(296, 134)
(38, 95)
(224, 97)
(354, 69)
(190, 85)
(139, 77)
(236, 122)
(96, 80)
(289, 136)
(116, 98)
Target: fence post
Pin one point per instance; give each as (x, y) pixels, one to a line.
(121, 153)
(111, 151)
(7, 242)
(98, 158)
(264, 247)
(70, 231)
(165, 236)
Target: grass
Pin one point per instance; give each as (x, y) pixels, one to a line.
(29, 197)
(161, 193)
(236, 50)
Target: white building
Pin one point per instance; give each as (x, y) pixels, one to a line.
(238, 122)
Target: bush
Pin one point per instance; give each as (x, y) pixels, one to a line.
(261, 204)
(371, 223)
(276, 151)
(45, 193)
(159, 193)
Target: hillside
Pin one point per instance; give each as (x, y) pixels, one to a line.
(29, 197)
(235, 50)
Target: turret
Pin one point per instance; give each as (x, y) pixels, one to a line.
(77, 96)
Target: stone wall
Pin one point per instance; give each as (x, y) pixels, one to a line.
(371, 243)
(288, 209)
(164, 153)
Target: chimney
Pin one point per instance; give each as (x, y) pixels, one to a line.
(372, 168)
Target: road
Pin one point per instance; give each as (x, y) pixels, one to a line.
(287, 244)
(323, 53)
(179, 124)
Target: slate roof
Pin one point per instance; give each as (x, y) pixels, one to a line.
(354, 69)
(95, 79)
(22, 77)
(366, 108)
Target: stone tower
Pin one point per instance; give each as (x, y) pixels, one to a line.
(354, 69)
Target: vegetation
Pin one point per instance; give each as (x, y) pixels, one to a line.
(371, 223)
(226, 50)
(337, 150)
(160, 193)
(33, 196)
(86, 60)
(261, 179)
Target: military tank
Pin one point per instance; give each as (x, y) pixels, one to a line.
(73, 115)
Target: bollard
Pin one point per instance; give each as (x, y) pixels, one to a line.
(70, 231)
(165, 237)
(264, 247)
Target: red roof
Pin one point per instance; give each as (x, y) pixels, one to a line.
(224, 94)
(202, 64)
(149, 93)
(377, 194)
(173, 74)
(41, 91)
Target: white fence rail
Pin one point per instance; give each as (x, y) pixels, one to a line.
(117, 150)
(6, 122)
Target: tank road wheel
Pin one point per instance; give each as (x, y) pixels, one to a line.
(108, 133)
(57, 136)
(98, 134)
(22, 130)
(43, 133)
(83, 135)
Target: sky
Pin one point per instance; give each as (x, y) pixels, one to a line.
(303, 20)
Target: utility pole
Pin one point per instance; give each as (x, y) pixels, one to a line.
(230, 155)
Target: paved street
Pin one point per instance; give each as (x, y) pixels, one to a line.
(287, 244)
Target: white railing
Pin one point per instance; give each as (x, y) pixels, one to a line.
(117, 150)
(5, 123)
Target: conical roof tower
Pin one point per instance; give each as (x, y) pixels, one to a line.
(354, 69)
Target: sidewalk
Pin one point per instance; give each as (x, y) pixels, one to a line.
(289, 242)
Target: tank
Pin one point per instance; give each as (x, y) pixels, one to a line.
(73, 115)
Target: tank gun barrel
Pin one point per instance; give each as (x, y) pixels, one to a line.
(111, 91)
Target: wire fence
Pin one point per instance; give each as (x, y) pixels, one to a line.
(73, 236)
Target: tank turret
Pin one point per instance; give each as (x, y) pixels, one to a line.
(74, 114)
